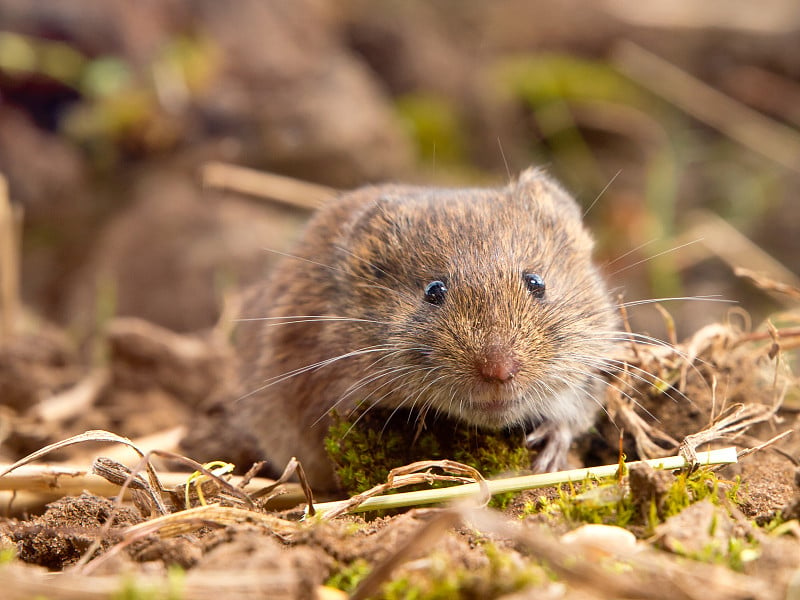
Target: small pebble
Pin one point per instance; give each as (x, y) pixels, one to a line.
(601, 539)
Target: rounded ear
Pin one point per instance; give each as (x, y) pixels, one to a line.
(545, 190)
(547, 196)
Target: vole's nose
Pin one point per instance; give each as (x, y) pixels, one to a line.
(496, 363)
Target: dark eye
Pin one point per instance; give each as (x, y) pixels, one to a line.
(535, 284)
(435, 292)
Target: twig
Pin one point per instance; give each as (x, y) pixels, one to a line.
(770, 442)
(293, 192)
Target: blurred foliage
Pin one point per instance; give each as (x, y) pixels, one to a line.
(546, 78)
(122, 106)
(21, 54)
(434, 125)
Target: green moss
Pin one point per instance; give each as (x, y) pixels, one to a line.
(7, 555)
(349, 576)
(733, 553)
(366, 446)
(609, 504)
(596, 503)
(689, 488)
(501, 575)
(172, 589)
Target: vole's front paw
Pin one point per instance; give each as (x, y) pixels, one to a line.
(552, 442)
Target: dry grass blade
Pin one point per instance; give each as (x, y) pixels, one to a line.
(97, 435)
(193, 464)
(739, 122)
(167, 439)
(767, 283)
(292, 468)
(729, 425)
(285, 190)
(771, 442)
(413, 474)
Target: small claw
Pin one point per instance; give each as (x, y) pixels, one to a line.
(553, 442)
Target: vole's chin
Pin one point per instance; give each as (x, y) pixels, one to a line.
(492, 407)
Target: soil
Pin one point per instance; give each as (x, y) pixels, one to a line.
(130, 270)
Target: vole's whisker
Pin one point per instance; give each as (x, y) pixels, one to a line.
(372, 377)
(421, 391)
(603, 191)
(320, 364)
(649, 258)
(303, 259)
(646, 340)
(709, 298)
(373, 404)
(633, 400)
(371, 265)
(323, 265)
(637, 373)
(366, 380)
(402, 404)
(629, 252)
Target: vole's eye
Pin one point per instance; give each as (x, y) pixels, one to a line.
(535, 284)
(435, 292)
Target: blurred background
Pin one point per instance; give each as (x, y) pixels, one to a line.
(674, 124)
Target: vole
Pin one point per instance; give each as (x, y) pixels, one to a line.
(482, 304)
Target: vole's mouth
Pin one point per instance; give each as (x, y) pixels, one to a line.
(492, 406)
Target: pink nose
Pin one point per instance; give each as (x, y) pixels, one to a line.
(496, 363)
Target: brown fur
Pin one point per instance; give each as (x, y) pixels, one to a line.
(368, 256)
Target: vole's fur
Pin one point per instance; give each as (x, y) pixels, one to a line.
(347, 320)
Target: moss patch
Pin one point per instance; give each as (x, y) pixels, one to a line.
(365, 447)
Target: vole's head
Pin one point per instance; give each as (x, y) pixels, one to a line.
(486, 301)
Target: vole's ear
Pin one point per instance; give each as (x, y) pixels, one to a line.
(546, 196)
(541, 188)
